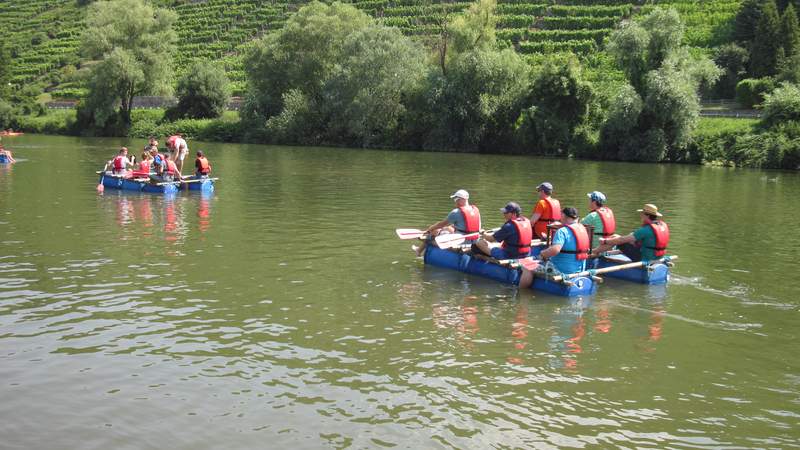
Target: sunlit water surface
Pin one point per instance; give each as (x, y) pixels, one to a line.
(282, 311)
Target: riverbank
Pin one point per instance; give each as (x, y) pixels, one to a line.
(716, 141)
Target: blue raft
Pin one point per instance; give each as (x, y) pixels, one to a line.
(657, 272)
(140, 185)
(3, 159)
(467, 263)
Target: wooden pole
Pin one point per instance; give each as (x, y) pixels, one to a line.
(631, 265)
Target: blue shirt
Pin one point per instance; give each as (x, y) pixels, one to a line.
(508, 235)
(566, 262)
(456, 219)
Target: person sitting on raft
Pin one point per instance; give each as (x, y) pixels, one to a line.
(546, 211)
(601, 217)
(464, 218)
(202, 165)
(120, 163)
(7, 154)
(144, 166)
(647, 243)
(515, 236)
(164, 168)
(569, 250)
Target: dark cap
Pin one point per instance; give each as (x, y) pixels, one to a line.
(546, 186)
(570, 212)
(511, 207)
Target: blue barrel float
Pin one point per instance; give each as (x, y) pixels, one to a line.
(142, 185)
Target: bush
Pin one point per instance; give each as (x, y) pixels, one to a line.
(750, 92)
(782, 105)
(202, 92)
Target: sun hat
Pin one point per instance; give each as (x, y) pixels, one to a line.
(546, 186)
(461, 193)
(650, 210)
(597, 196)
(570, 212)
(511, 207)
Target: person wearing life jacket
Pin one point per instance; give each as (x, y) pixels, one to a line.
(7, 153)
(143, 171)
(202, 165)
(515, 236)
(164, 169)
(570, 247)
(546, 211)
(648, 243)
(179, 149)
(120, 163)
(601, 218)
(464, 218)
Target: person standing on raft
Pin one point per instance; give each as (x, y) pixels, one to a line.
(569, 250)
(515, 235)
(464, 218)
(647, 243)
(179, 149)
(546, 211)
(601, 218)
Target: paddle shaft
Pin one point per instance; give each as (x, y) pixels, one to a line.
(631, 265)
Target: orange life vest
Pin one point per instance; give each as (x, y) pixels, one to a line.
(661, 231)
(551, 214)
(524, 236)
(582, 241)
(608, 221)
(205, 167)
(472, 220)
(119, 163)
(171, 168)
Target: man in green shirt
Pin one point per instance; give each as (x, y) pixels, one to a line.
(601, 218)
(645, 244)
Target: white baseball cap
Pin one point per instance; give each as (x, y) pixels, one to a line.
(461, 193)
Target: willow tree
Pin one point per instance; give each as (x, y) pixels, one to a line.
(131, 45)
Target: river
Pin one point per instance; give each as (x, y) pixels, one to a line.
(282, 311)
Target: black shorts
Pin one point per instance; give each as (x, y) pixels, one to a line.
(633, 252)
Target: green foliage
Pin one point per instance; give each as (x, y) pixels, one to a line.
(653, 118)
(782, 105)
(7, 115)
(766, 50)
(790, 32)
(133, 43)
(750, 92)
(302, 55)
(747, 19)
(5, 70)
(474, 29)
(732, 59)
(202, 92)
(561, 102)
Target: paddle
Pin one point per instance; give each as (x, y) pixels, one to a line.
(451, 240)
(631, 265)
(100, 187)
(409, 233)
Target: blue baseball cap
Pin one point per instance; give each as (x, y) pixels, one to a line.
(511, 207)
(597, 196)
(546, 186)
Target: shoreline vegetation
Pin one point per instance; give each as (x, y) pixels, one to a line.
(332, 75)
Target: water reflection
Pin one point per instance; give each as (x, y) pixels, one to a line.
(168, 217)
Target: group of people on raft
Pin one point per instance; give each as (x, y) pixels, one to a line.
(571, 241)
(158, 166)
(7, 153)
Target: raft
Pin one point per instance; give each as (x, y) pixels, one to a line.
(144, 185)
(4, 159)
(470, 264)
(657, 272)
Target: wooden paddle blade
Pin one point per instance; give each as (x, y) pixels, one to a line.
(452, 240)
(409, 233)
(529, 263)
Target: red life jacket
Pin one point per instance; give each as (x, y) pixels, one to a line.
(171, 140)
(551, 214)
(205, 167)
(472, 219)
(144, 166)
(582, 241)
(608, 221)
(661, 231)
(119, 163)
(524, 236)
(171, 168)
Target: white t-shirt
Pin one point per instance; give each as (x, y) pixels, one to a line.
(181, 148)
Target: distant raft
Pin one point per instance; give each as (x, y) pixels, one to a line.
(4, 159)
(168, 187)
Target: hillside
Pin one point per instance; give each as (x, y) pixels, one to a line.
(44, 35)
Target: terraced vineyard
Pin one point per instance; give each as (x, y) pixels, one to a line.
(45, 34)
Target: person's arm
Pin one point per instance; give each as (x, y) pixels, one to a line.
(619, 240)
(538, 210)
(551, 251)
(437, 225)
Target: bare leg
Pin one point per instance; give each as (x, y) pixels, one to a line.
(526, 279)
(483, 246)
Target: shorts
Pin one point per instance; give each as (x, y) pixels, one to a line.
(633, 252)
(182, 155)
(501, 253)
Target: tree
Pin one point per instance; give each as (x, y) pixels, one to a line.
(560, 100)
(764, 53)
(133, 44)
(5, 71)
(732, 59)
(301, 55)
(653, 119)
(790, 32)
(475, 28)
(782, 105)
(202, 92)
(744, 30)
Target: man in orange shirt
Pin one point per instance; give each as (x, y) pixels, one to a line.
(546, 211)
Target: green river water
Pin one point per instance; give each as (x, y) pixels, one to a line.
(282, 311)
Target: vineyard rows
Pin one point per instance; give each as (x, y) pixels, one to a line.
(44, 35)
